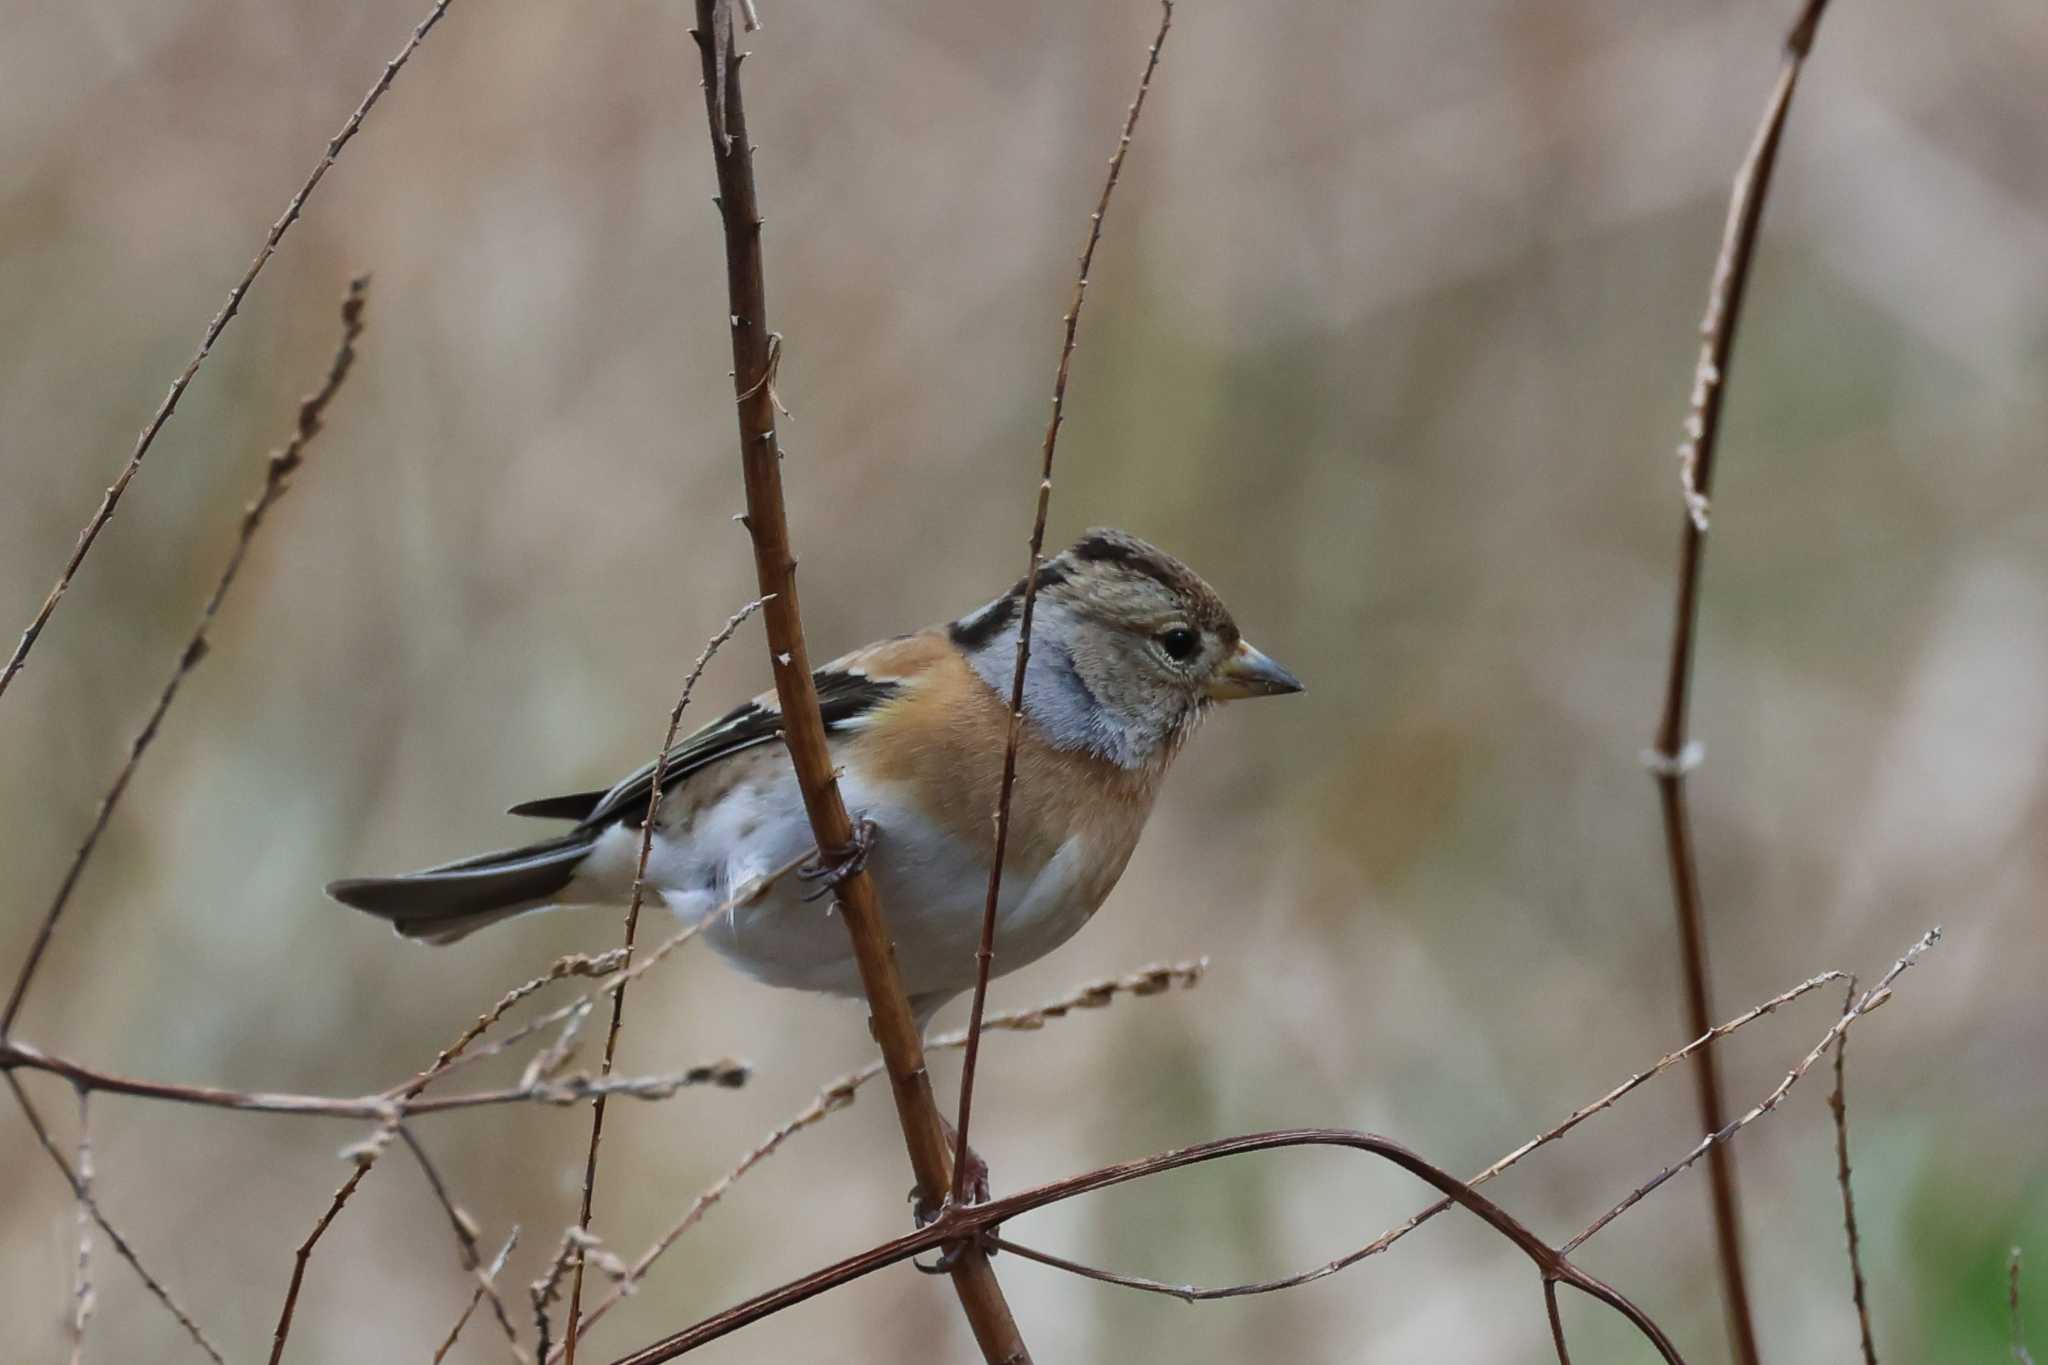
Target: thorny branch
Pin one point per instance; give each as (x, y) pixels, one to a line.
(276, 480)
(1674, 754)
(655, 792)
(143, 442)
(753, 349)
(984, 954)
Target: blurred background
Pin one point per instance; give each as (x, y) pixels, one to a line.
(1391, 335)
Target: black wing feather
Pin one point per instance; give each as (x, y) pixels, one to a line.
(842, 697)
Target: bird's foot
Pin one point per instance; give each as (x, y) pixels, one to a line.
(975, 1189)
(844, 863)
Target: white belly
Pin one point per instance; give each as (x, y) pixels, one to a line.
(932, 889)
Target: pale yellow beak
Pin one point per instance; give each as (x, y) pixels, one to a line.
(1248, 673)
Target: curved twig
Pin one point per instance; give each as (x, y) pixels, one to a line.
(1674, 753)
(970, 1221)
(984, 953)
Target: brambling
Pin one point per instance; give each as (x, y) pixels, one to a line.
(1128, 650)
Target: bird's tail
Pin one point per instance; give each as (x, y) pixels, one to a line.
(443, 904)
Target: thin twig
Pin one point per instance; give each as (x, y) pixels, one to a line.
(1873, 998)
(1674, 754)
(465, 1239)
(81, 1289)
(276, 480)
(890, 1018)
(305, 1253)
(1838, 1106)
(456, 1053)
(984, 953)
(120, 1244)
(655, 792)
(975, 1219)
(579, 1244)
(574, 1088)
(1200, 1294)
(1145, 981)
(486, 1283)
(143, 442)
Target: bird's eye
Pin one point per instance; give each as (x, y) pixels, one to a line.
(1180, 643)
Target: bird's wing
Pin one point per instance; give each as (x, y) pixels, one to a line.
(850, 689)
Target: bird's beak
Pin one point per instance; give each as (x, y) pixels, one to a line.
(1248, 673)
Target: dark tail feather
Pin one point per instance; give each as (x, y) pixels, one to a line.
(577, 807)
(443, 904)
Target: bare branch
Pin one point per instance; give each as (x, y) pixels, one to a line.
(753, 348)
(1191, 1293)
(465, 1241)
(276, 479)
(984, 954)
(304, 1253)
(486, 1284)
(99, 519)
(1674, 753)
(84, 1195)
(1145, 981)
(656, 791)
(1870, 1001)
(81, 1288)
(973, 1220)
(1838, 1106)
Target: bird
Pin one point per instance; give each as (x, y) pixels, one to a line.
(1130, 649)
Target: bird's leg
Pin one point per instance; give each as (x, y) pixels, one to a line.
(976, 1188)
(844, 863)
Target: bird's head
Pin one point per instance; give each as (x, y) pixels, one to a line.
(1128, 648)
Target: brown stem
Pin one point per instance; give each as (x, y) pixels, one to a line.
(276, 479)
(465, 1239)
(841, 1093)
(970, 1220)
(1719, 1137)
(753, 349)
(984, 954)
(486, 1284)
(119, 1243)
(655, 791)
(92, 529)
(382, 1108)
(1674, 754)
(304, 1254)
(1838, 1106)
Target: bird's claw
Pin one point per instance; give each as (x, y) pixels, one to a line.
(926, 1213)
(846, 862)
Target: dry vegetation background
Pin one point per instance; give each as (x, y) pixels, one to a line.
(1391, 336)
